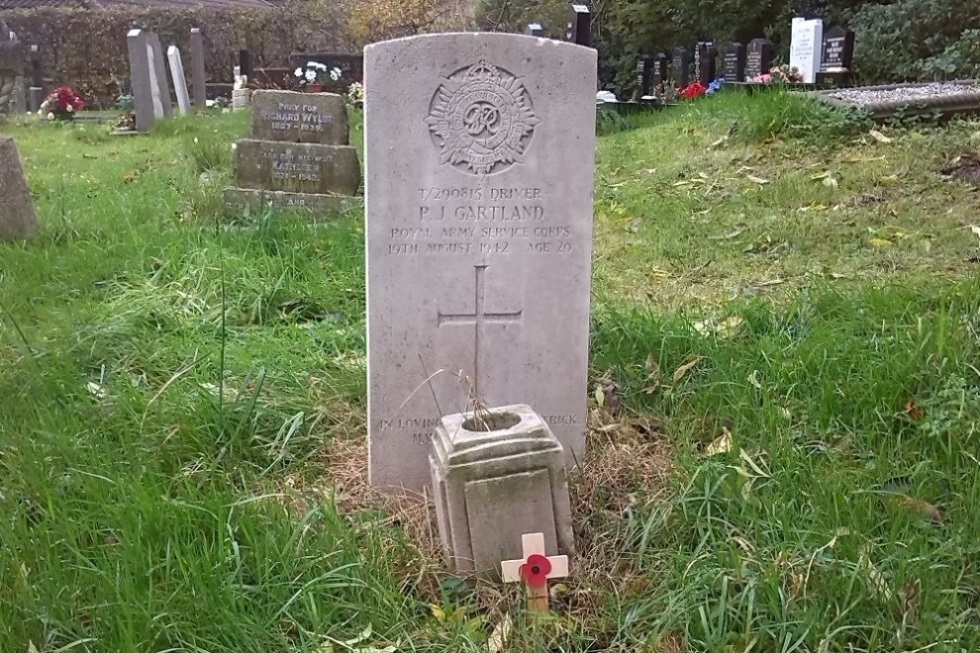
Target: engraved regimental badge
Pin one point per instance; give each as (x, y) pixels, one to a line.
(481, 119)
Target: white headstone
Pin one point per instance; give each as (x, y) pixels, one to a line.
(806, 47)
(480, 167)
(180, 83)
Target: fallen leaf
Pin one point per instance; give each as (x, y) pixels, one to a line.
(878, 136)
(437, 612)
(729, 235)
(721, 141)
(97, 389)
(681, 371)
(619, 185)
(128, 178)
(634, 226)
(881, 242)
(757, 180)
(913, 410)
(728, 326)
(722, 444)
(976, 230)
(754, 380)
(820, 175)
(923, 508)
(830, 182)
(31, 648)
(499, 635)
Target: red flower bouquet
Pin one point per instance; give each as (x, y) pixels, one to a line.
(693, 90)
(62, 104)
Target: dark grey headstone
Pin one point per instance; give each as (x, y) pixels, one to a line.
(758, 58)
(644, 75)
(199, 76)
(579, 25)
(735, 62)
(704, 62)
(838, 50)
(146, 98)
(35, 99)
(17, 218)
(681, 63)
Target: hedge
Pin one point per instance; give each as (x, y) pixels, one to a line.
(86, 48)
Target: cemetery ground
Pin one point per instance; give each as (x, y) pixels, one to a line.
(783, 450)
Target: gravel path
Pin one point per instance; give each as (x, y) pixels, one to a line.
(908, 94)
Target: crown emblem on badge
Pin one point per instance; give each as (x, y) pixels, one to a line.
(481, 119)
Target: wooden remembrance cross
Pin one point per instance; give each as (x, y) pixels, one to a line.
(535, 570)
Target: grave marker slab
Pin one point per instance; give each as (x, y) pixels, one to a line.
(480, 165)
(180, 82)
(805, 47)
(758, 58)
(681, 64)
(838, 50)
(199, 75)
(297, 167)
(659, 69)
(579, 29)
(142, 72)
(18, 219)
(159, 67)
(735, 63)
(704, 62)
(644, 74)
(534, 29)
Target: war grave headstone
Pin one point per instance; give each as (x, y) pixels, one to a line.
(480, 159)
(681, 67)
(180, 82)
(659, 75)
(805, 51)
(299, 155)
(758, 58)
(644, 76)
(199, 75)
(579, 28)
(735, 63)
(18, 219)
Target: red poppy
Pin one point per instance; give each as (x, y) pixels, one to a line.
(535, 570)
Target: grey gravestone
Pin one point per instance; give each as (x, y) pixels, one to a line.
(659, 69)
(681, 63)
(838, 50)
(704, 62)
(11, 69)
(180, 82)
(579, 30)
(735, 63)
(480, 166)
(199, 76)
(300, 118)
(534, 29)
(758, 58)
(17, 218)
(36, 91)
(141, 73)
(298, 156)
(159, 67)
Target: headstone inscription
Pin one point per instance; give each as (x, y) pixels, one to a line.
(480, 164)
(758, 58)
(659, 69)
(681, 64)
(805, 47)
(17, 219)
(180, 83)
(735, 62)
(579, 29)
(299, 154)
(534, 29)
(704, 62)
(838, 50)
(199, 75)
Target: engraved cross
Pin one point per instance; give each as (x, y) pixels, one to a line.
(478, 318)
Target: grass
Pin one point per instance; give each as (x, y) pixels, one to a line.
(784, 459)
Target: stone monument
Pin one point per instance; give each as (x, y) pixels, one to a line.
(11, 71)
(148, 76)
(199, 76)
(17, 217)
(180, 82)
(299, 155)
(496, 476)
(480, 160)
(806, 47)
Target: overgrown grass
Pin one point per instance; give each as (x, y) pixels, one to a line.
(173, 393)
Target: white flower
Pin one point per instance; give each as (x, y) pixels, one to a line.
(298, 72)
(70, 108)
(209, 103)
(50, 116)
(335, 74)
(310, 76)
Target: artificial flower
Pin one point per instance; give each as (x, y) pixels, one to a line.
(535, 570)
